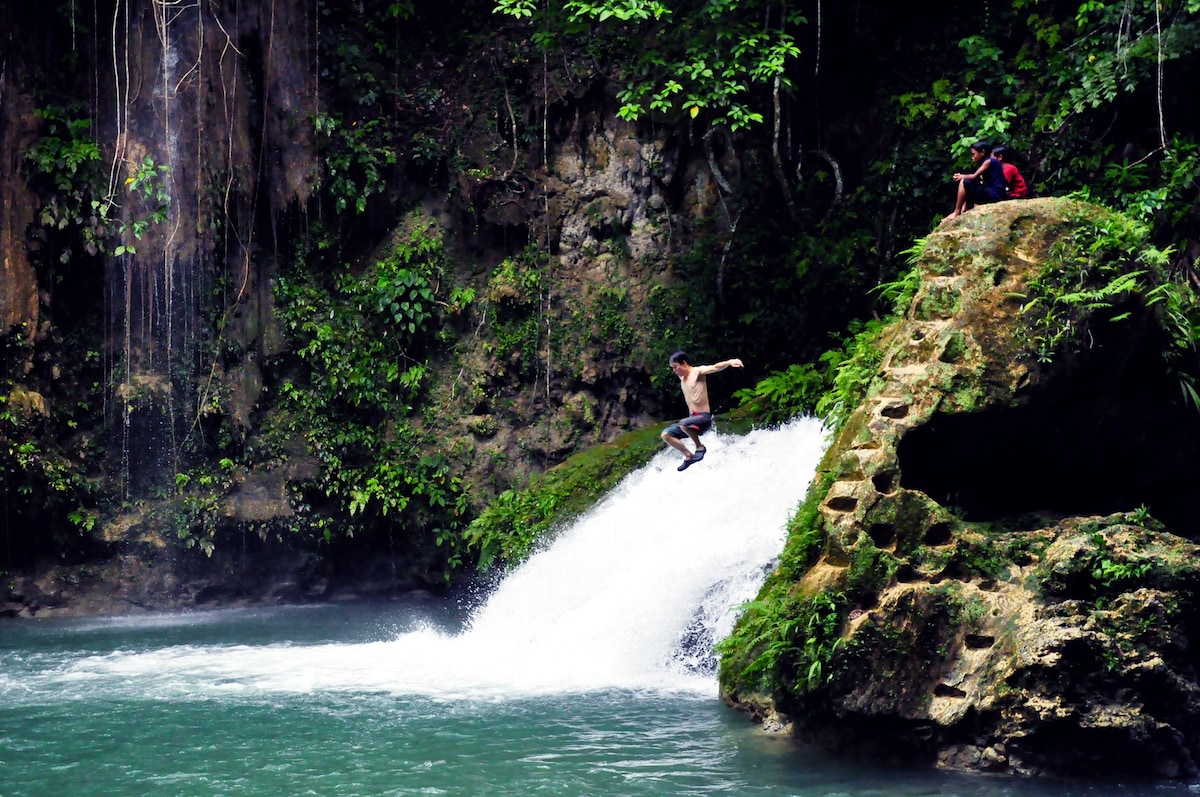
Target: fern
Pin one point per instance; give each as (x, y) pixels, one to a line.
(784, 394)
(789, 643)
(899, 293)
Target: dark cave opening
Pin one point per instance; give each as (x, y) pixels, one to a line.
(1109, 433)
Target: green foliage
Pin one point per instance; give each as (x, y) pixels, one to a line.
(961, 610)
(852, 368)
(47, 490)
(1100, 570)
(357, 157)
(871, 569)
(65, 153)
(782, 645)
(516, 292)
(404, 294)
(598, 322)
(1113, 576)
(899, 292)
(197, 510)
(363, 337)
(784, 394)
(1102, 273)
(63, 165)
(194, 521)
(1175, 307)
(805, 532)
(980, 554)
(146, 184)
(608, 312)
(385, 123)
(1141, 517)
(680, 58)
(832, 388)
(517, 521)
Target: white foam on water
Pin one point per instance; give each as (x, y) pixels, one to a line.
(604, 606)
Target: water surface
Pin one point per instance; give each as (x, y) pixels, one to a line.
(586, 672)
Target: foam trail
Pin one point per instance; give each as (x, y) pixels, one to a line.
(604, 606)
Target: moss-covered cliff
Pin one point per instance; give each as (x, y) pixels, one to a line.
(290, 296)
(994, 569)
(291, 290)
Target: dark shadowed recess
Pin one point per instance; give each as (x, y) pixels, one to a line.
(1111, 432)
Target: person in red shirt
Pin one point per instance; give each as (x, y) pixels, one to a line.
(1017, 189)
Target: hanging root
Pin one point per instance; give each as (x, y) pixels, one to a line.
(838, 183)
(777, 160)
(712, 158)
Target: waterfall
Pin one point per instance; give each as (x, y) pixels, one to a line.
(158, 270)
(659, 566)
(629, 597)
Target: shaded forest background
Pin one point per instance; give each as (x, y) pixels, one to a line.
(312, 274)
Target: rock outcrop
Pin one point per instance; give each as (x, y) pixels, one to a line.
(1000, 576)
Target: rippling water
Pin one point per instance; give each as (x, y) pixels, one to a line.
(584, 673)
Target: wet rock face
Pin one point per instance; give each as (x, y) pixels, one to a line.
(18, 281)
(1026, 605)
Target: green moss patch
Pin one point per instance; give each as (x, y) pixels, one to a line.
(517, 521)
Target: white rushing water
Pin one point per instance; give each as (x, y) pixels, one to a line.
(605, 606)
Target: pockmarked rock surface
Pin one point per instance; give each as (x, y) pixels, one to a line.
(1003, 576)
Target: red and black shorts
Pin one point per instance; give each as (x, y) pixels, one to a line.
(699, 423)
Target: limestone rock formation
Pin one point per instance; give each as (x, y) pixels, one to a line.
(1003, 578)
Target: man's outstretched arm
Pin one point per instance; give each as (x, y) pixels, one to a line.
(721, 366)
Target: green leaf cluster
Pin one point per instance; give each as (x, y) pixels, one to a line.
(517, 292)
(50, 501)
(830, 388)
(357, 157)
(65, 154)
(78, 211)
(1103, 275)
(783, 395)
(1101, 569)
(363, 338)
(783, 645)
(680, 58)
(63, 167)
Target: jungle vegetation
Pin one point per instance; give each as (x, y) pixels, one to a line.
(848, 119)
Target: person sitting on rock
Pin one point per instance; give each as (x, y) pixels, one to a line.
(985, 184)
(1017, 189)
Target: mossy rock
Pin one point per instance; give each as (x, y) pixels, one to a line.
(981, 524)
(513, 525)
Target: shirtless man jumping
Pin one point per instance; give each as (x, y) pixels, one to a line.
(693, 382)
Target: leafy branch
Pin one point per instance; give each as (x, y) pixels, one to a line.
(680, 59)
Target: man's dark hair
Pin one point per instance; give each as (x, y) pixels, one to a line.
(983, 147)
(678, 357)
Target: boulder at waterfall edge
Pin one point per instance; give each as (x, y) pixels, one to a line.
(994, 569)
